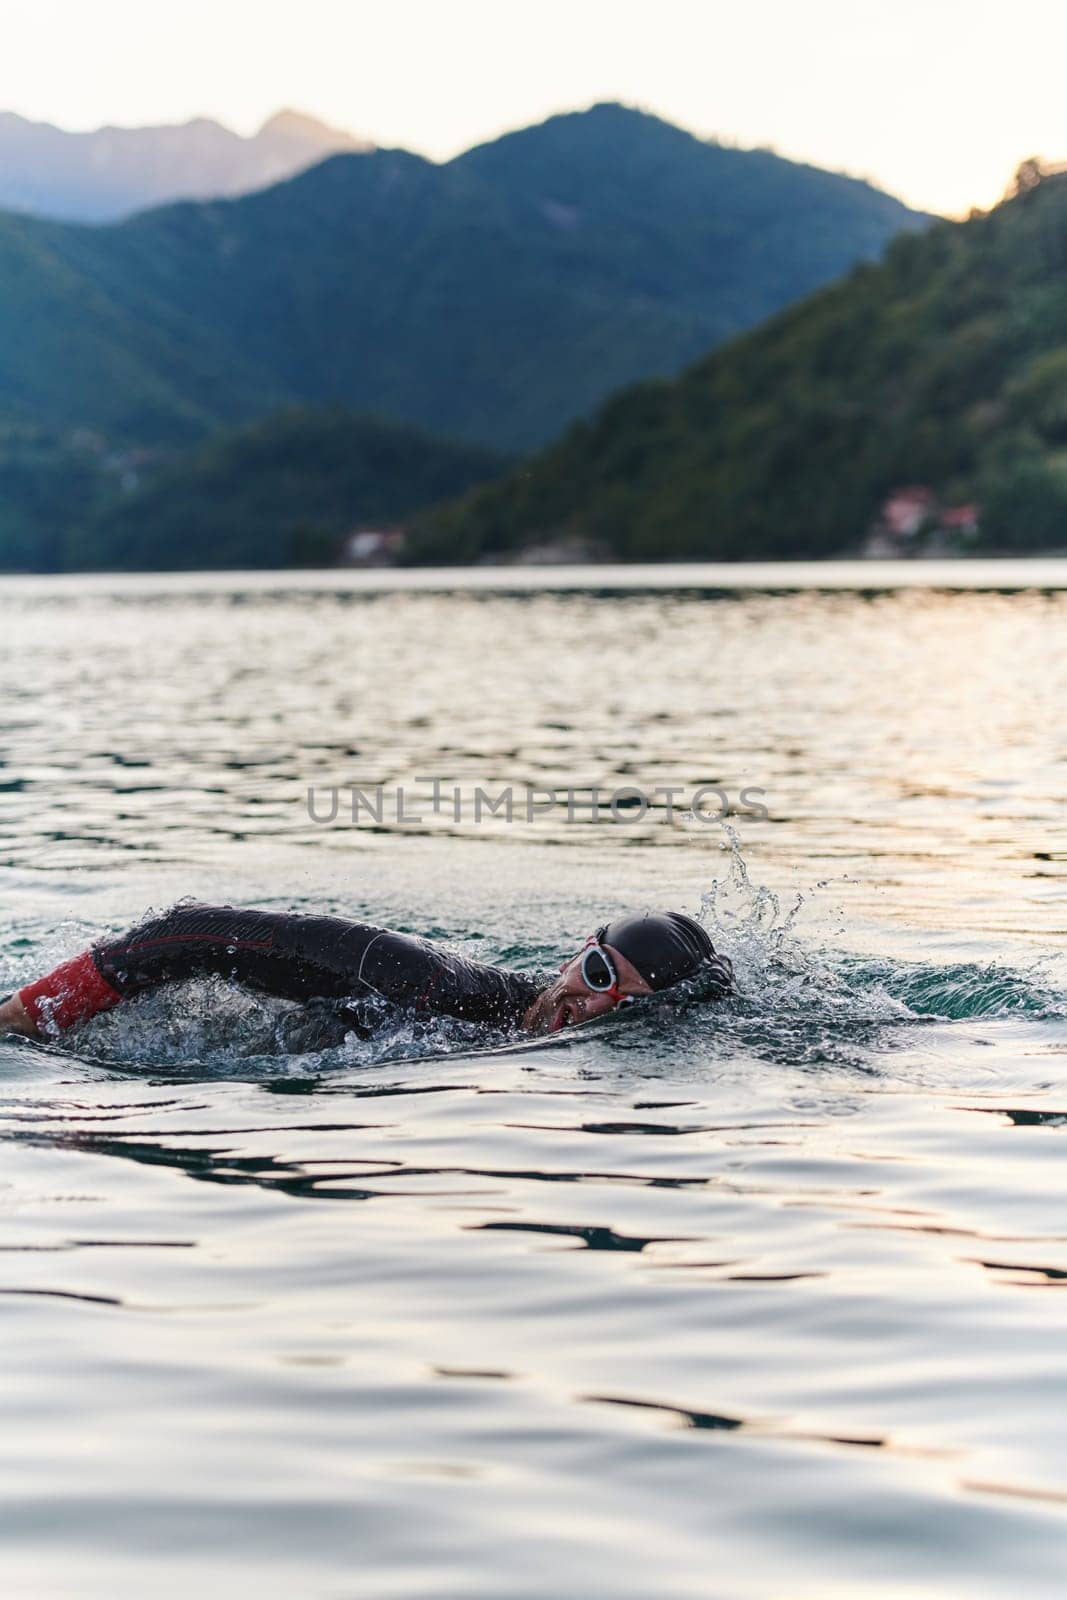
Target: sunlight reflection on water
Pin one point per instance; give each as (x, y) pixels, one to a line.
(766, 1297)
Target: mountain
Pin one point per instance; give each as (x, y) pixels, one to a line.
(942, 371)
(278, 493)
(494, 298)
(112, 172)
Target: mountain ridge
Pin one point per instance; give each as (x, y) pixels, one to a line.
(459, 298)
(104, 174)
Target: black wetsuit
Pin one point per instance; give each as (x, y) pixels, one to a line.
(346, 970)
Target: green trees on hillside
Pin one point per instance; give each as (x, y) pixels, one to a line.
(493, 298)
(945, 366)
(280, 493)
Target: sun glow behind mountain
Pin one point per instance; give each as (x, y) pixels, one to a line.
(936, 102)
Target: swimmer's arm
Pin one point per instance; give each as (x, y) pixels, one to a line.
(295, 957)
(72, 993)
(14, 1018)
(292, 956)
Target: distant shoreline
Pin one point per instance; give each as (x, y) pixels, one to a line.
(963, 573)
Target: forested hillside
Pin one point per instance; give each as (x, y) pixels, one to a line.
(943, 367)
(278, 493)
(494, 298)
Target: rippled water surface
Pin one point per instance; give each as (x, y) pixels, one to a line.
(751, 1300)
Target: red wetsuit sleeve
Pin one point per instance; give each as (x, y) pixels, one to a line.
(72, 993)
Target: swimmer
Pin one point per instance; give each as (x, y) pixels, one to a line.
(342, 970)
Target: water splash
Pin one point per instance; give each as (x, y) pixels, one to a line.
(791, 976)
(217, 1025)
(800, 999)
(774, 966)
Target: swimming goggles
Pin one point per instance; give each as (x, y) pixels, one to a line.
(599, 973)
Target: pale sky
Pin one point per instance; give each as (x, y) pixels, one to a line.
(936, 100)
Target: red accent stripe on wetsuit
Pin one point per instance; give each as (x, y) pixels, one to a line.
(190, 938)
(72, 993)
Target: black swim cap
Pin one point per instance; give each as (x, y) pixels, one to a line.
(664, 946)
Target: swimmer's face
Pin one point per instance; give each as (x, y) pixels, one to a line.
(570, 1001)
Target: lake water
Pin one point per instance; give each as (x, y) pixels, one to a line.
(753, 1300)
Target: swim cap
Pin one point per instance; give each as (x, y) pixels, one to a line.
(664, 946)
